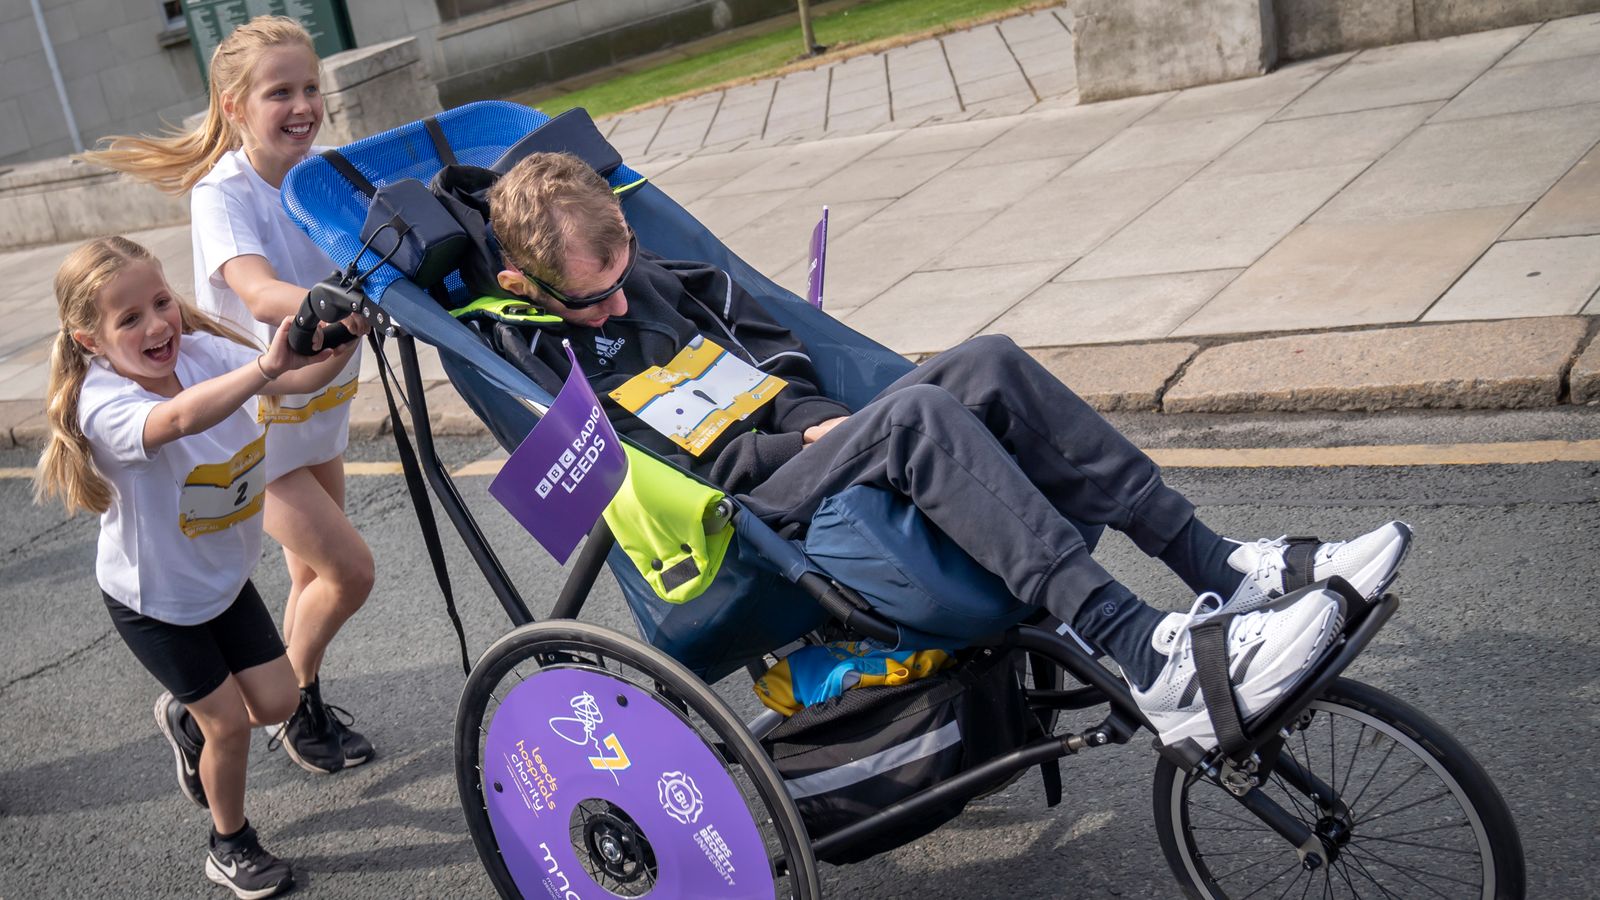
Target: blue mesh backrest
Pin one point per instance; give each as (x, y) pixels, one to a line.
(331, 210)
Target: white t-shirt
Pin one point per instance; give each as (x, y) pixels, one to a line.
(234, 212)
(183, 531)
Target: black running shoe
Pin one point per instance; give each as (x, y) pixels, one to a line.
(310, 737)
(242, 866)
(186, 753)
(357, 749)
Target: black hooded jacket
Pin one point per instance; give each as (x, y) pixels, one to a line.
(669, 303)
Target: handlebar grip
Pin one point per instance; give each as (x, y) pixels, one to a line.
(303, 330)
(336, 336)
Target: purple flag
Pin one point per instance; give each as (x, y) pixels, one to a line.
(566, 470)
(819, 261)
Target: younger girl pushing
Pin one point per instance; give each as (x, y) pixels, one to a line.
(252, 269)
(153, 427)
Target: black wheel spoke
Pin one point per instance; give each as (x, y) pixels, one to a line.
(1415, 803)
(1351, 857)
(1355, 751)
(1370, 778)
(1365, 838)
(1292, 867)
(1409, 871)
(1421, 767)
(1461, 824)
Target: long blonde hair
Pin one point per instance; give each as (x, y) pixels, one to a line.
(176, 160)
(66, 467)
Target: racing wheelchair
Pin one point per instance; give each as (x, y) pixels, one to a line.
(589, 761)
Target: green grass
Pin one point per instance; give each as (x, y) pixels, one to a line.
(765, 54)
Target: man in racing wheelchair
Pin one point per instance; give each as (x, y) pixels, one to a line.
(987, 444)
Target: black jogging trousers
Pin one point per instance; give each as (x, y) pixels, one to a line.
(996, 452)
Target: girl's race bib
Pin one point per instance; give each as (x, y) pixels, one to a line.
(217, 496)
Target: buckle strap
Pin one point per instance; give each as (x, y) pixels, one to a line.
(1299, 558)
(1209, 644)
(503, 309)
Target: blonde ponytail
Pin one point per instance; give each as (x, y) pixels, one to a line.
(66, 467)
(174, 161)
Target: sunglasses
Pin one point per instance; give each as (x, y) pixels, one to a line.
(587, 300)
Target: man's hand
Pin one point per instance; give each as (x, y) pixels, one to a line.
(814, 433)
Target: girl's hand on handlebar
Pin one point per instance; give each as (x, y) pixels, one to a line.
(281, 358)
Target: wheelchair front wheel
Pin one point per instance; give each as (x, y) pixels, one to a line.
(587, 760)
(1414, 815)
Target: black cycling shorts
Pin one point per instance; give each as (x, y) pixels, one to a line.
(191, 661)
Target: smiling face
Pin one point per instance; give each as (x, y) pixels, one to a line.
(280, 112)
(140, 327)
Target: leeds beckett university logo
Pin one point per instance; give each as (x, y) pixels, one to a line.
(680, 797)
(579, 729)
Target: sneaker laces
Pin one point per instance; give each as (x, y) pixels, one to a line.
(339, 717)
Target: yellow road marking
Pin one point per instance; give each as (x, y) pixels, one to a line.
(1508, 453)
(1516, 453)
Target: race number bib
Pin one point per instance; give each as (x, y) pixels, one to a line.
(217, 496)
(695, 398)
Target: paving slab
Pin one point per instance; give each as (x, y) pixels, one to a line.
(1540, 277)
(932, 311)
(448, 414)
(1067, 216)
(1145, 307)
(1273, 91)
(802, 165)
(1585, 376)
(958, 136)
(1572, 206)
(1330, 275)
(1476, 365)
(369, 412)
(875, 255)
(1113, 379)
(951, 193)
(1407, 73)
(1221, 223)
(726, 215)
(1491, 161)
(1558, 39)
(889, 178)
(1331, 140)
(1194, 141)
(1067, 132)
(1541, 85)
(780, 241)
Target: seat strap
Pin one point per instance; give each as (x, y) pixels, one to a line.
(1298, 560)
(441, 144)
(350, 172)
(1209, 644)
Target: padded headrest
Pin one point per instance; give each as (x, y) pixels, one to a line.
(571, 132)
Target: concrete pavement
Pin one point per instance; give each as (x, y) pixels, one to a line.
(1414, 225)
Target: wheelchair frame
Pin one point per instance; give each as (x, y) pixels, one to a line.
(1241, 776)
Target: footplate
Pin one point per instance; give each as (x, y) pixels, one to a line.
(1362, 621)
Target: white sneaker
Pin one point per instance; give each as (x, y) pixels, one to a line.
(1369, 562)
(1268, 650)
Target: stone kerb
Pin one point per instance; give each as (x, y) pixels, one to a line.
(373, 89)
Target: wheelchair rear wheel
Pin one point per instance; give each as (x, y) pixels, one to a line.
(585, 759)
(1414, 814)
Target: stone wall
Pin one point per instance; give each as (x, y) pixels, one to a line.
(365, 91)
(1308, 28)
(1129, 47)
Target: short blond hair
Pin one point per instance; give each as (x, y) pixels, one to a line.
(549, 205)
